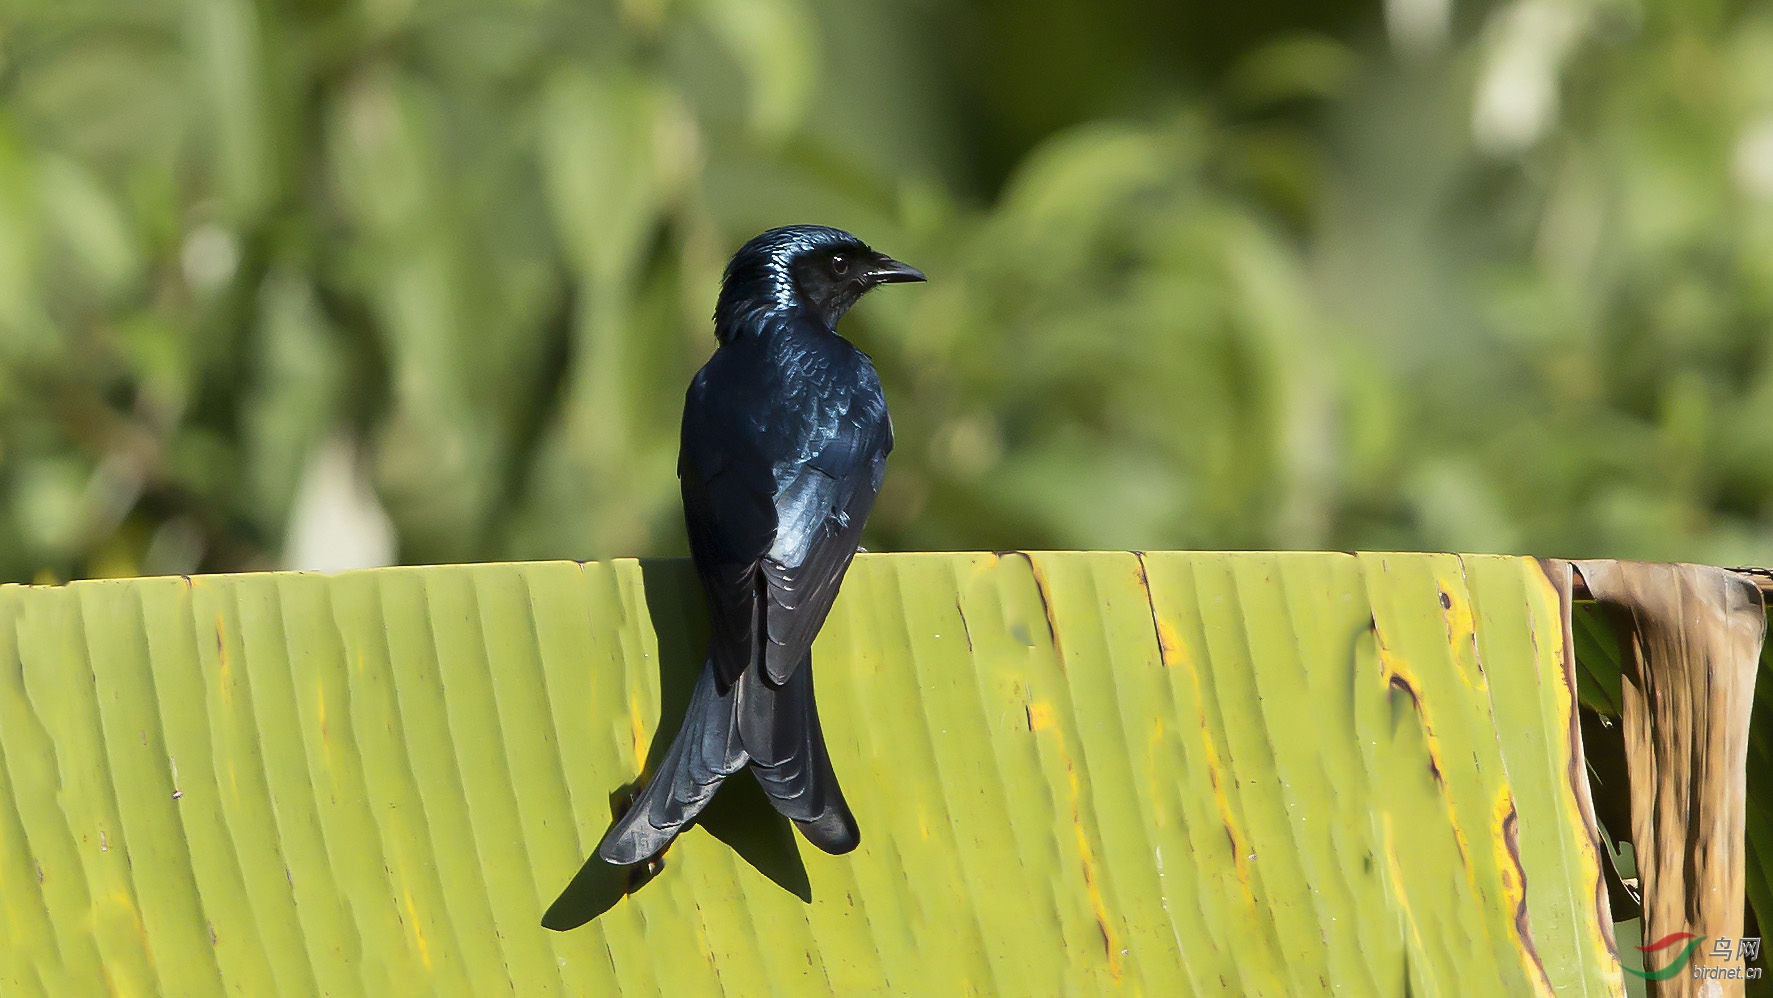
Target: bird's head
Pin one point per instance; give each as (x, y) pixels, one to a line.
(819, 269)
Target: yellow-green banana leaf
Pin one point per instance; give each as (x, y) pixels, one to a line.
(1163, 774)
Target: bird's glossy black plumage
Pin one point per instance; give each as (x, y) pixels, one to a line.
(785, 441)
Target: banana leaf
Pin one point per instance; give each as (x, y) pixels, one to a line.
(1079, 773)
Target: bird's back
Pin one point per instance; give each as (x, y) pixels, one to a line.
(785, 438)
(780, 397)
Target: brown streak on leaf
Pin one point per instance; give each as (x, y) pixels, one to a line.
(1523, 925)
(1402, 685)
(1168, 646)
(1170, 654)
(1046, 605)
(1086, 855)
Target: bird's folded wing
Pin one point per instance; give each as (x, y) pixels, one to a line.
(800, 588)
(772, 550)
(729, 509)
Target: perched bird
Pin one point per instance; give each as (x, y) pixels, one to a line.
(785, 441)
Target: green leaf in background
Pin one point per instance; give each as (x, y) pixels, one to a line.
(1090, 773)
(1497, 277)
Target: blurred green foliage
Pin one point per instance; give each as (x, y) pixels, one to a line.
(1480, 277)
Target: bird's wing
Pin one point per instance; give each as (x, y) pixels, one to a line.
(729, 508)
(820, 513)
(772, 539)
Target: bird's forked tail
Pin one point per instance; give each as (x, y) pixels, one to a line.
(773, 728)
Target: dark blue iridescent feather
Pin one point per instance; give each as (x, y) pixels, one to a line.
(784, 446)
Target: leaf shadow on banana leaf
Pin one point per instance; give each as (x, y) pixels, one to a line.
(739, 816)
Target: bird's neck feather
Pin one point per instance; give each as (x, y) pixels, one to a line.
(767, 321)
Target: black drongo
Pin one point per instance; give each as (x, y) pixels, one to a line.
(785, 440)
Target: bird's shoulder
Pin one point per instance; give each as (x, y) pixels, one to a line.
(785, 391)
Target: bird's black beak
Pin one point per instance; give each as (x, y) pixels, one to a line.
(886, 270)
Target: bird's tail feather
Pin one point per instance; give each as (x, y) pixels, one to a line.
(779, 730)
(705, 752)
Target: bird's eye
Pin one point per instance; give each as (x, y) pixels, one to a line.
(840, 266)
